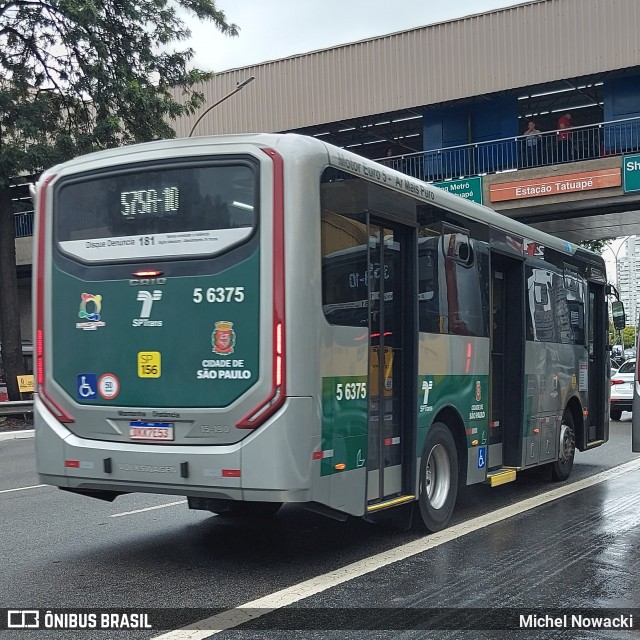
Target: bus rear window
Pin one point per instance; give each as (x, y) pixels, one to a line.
(153, 212)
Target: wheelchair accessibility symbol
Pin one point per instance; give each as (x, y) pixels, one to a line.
(86, 386)
(482, 457)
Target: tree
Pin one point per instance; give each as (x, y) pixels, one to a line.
(596, 245)
(78, 76)
(629, 337)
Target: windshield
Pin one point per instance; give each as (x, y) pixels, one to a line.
(628, 367)
(156, 211)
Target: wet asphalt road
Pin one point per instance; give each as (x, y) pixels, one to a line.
(60, 550)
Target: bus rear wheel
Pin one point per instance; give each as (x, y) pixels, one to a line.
(438, 478)
(561, 468)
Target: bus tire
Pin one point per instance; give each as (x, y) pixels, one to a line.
(438, 486)
(615, 414)
(561, 468)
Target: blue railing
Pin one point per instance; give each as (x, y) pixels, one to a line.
(24, 224)
(522, 152)
(600, 140)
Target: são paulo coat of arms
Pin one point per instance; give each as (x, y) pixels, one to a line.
(223, 338)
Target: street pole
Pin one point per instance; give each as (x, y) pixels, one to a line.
(241, 85)
(615, 257)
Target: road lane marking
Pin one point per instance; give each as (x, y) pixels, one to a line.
(115, 515)
(160, 506)
(290, 595)
(34, 486)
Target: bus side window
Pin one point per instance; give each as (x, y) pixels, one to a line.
(344, 270)
(465, 301)
(428, 296)
(542, 305)
(542, 294)
(576, 317)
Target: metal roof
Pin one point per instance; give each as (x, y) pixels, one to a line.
(525, 45)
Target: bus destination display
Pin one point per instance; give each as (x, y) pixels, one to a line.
(150, 201)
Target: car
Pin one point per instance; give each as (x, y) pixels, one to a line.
(617, 360)
(614, 366)
(622, 389)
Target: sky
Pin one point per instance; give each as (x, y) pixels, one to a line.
(616, 250)
(273, 29)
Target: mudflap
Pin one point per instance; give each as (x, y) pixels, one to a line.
(399, 518)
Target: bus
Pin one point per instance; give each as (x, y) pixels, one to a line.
(254, 320)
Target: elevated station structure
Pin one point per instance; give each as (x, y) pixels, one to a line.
(468, 82)
(467, 79)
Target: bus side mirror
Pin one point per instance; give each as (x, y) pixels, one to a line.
(617, 311)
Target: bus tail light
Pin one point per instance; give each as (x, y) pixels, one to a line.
(276, 399)
(39, 309)
(278, 394)
(279, 355)
(39, 357)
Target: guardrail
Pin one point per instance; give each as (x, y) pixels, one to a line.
(600, 140)
(16, 407)
(24, 224)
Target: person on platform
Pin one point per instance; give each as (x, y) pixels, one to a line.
(531, 145)
(563, 138)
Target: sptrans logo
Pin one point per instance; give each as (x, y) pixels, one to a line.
(147, 298)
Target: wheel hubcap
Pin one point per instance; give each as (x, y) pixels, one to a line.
(567, 444)
(438, 476)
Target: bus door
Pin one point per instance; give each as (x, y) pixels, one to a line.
(392, 363)
(507, 362)
(597, 428)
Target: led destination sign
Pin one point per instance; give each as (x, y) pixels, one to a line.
(150, 201)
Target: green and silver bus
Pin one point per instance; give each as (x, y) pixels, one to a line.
(254, 320)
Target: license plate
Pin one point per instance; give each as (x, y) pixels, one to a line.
(151, 430)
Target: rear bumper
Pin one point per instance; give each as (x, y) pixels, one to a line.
(622, 404)
(272, 464)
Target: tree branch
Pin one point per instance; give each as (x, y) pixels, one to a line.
(27, 3)
(33, 48)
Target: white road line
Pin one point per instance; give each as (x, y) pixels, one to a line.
(290, 595)
(160, 506)
(34, 486)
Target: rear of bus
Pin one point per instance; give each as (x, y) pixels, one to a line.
(160, 325)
